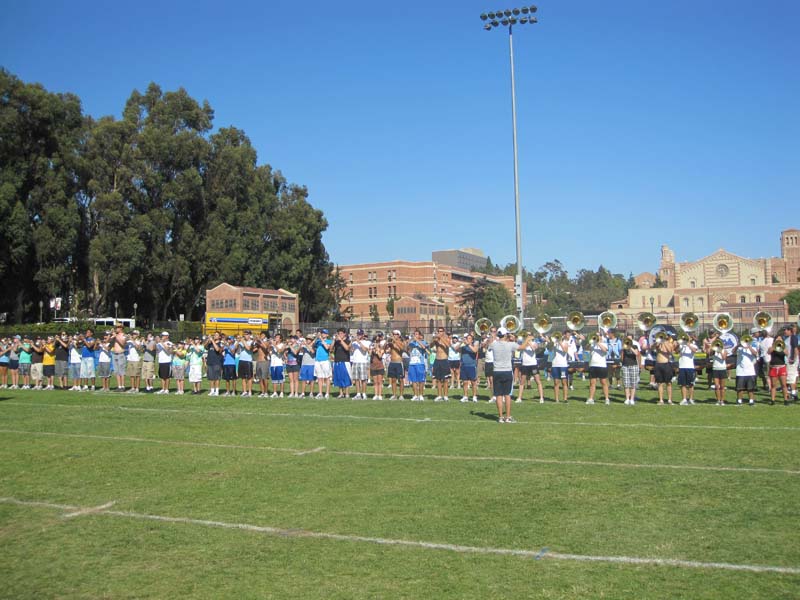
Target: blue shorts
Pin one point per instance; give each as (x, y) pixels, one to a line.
(686, 377)
(276, 374)
(502, 384)
(558, 372)
(396, 370)
(468, 373)
(307, 373)
(416, 373)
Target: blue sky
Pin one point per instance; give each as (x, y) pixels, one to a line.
(640, 123)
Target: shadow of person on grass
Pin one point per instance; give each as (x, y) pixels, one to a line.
(483, 415)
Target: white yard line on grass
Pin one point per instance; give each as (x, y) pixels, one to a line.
(471, 421)
(451, 457)
(543, 554)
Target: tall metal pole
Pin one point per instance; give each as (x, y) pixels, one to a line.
(518, 282)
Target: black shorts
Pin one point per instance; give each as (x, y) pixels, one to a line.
(164, 370)
(719, 374)
(245, 369)
(598, 372)
(502, 382)
(292, 368)
(488, 369)
(529, 370)
(746, 383)
(49, 370)
(229, 372)
(454, 364)
(686, 377)
(396, 370)
(376, 372)
(214, 372)
(662, 372)
(441, 369)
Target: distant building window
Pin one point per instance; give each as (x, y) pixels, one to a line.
(686, 303)
(758, 298)
(742, 299)
(693, 284)
(752, 281)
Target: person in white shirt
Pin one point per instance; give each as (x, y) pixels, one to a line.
(598, 366)
(764, 357)
(746, 357)
(164, 349)
(359, 362)
(687, 347)
(560, 364)
(529, 368)
(488, 364)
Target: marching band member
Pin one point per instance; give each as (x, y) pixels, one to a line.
(441, 366)
(662, 367)
(396, 346)
(630, 369)
(560, 364)
(529, 367)
(686, 371)
(469, 367)
(454, 362)
(777, 370)
(715, 348)
(598, 366)
(322, 363)
(341, 363)
(359, 360)
(746, 357)
(376, 367)
(417, 355)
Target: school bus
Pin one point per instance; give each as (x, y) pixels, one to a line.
(235, 322)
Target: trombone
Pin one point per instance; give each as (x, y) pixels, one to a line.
(645, 321)
(575, 321)
(607, 320)
(723, 322)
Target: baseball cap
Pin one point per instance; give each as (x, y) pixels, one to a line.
(360, 332)
(324, 331)
(163, 333)
(502, 331)
(397, 332)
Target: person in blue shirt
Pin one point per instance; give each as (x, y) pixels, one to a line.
(417, 353)
(87, 344)
(468, 371)
(230, 350)
(322, 363)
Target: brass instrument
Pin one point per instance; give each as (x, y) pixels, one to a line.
(661, 337)
(555, 339)
(723, 322)
(746, 339)
(543, 324)
(683, 338)
(627, 344)
(482, 326)
(511, 323)
(718, 346)
(779, 345)
(762, 320)
(645, 321)
(689, 322)
(594, 338)
(607, 320)
(575, 321)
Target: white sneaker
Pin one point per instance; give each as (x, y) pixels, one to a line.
(401, 397)
(608, 401)
(474, 398)
(590, 401)
(541, 400)
(280, 395)
(684, 402)
(691, 401)
(274, 395)
(518, 401)
(92, 388)
(464, 399)
(492, 399)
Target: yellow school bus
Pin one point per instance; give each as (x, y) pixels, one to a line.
(235, 322)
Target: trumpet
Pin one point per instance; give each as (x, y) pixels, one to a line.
(779, 345)
(689, 322)
(645, 321)
(762, 320)
(723, 322)
(511, 323)
(575, 321)
(482, 326)
(607, 320)
(543, 324)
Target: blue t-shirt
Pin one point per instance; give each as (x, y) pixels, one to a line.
(230, 357)
(322, 353)
(467, 356)
(87, 352)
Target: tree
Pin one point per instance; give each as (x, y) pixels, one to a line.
(341, 295)
(792, 299)
(390, 306)
(374, 315)
(497, 303)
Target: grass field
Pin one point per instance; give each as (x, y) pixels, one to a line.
(142, 496)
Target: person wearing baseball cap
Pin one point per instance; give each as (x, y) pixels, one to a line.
(503, 348)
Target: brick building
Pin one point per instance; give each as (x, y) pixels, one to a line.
(423, 291)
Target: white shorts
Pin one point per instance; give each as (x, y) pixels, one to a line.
(322, 369)
(195, 373)
(791, 373)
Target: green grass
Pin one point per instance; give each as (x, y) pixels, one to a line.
(587, 480)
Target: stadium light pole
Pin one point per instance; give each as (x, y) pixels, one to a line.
(509, 18)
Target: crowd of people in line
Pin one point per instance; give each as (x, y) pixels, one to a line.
(312, 363)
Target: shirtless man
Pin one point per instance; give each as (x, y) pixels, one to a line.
(396, 346)
(441, 366)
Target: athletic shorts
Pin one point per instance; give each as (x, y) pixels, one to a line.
(454, 364)
(119, 361)
(662, 372)
(262, 369)
(148, 369)
(441, 369)
(341, 375)
(488, 369)
(275, 374)
(322, 369)
(133, 368)
(214, 372)
(245, 369)
(686, 377)
(559, 372)
(777, 371)
(502, 383)
(103, 370)
(719, 374)
(360, 371)
(307, 373)
(61, 368)
(468, 373)
(74, 371)
(195, 373)
(178, 372)
(598, 372)
(377, 372)
(37, 371)
(292, 368)
(228, 372)
(791, 373)
(529, 370)
(416, 373)
(164, 370)
(745, 383)
(396, 370)
(25, 368)
(49, 370)
(87, 368)
(13, 365)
